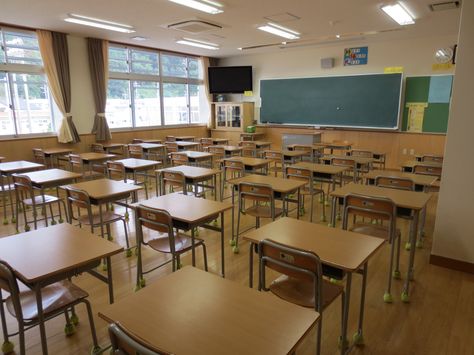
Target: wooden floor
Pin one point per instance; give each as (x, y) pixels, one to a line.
(439, 319)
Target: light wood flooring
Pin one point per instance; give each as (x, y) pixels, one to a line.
(438, 320)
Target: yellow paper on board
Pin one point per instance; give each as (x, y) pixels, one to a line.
(392, 70)
(248, 93)
(442, 66)
(416, 115)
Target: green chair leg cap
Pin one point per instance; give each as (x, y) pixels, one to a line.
(53, 222)
(61, 220)
(142, 282)
(104, 267)
(13, 220)
(75, 319)
(339, 343)
(232, 242)
(326, 203)
(7, 347)
(235, 249)
(128, 253)
(330, 225)
(323, 219)
(405, 297)
(96, 350)
(358, 339)
(27, 228)
(110, 238)
(338, 217)
(407, 246)
(397, 275)
(135, 251)
(419, 244)
(214, 223)
(136, 288)
(196, 232)
(112, 207)
(387, 297)
(335, 281)
(69, 329)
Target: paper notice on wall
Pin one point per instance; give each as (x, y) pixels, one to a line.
(416, 115)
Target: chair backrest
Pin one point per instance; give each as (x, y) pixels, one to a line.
(174, 179)
(22, 184)
(171, 147)
(303, 147)
(116, 170)
(395, 182)
(39, 156)
(300, 174)
(206, 142)
(378, 208)
(344, 162)
(273, 155)
(170, 139)
(362, 153)
(179, 159)
(137, 141)
(76, 163)
(79, 199)
(256, 193)
(249, 148)
(234, 166)
(292, 262)
(432, 158)
(8, 283)
(125, 343)
(217, 151)
(428, 170)
(135, 151)
(97, 147)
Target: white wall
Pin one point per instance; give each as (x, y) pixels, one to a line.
(415, 55)
(82, 100)
(454, 229)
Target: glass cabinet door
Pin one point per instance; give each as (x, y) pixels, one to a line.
(221, 116)
(235, 115)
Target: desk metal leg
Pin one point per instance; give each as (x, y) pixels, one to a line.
(39, 305)
(193, 251)
(333, 211)
(358, 336)
(222, 245)
(109, 280)
(410, 272)
(345, 316)
(251, 265)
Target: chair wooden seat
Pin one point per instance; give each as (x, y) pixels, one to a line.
(39, 200)
(374, 230)
(107, 217)
(182, 243)
(56, 296)
(263, 211)
(301, 292)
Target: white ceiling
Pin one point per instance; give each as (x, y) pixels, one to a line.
(318, 20)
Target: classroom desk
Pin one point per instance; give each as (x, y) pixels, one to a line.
(6, 170)
(259, 144)
(251, 165)
(188, 213)
(337, 248)
(316, 151)
(332, 146)
(198, 158)
(185, 145)
(291, 156)
(360, 161)
(48, 255)
(110, 148)
(105, 190)
(422, 182)
(409, 165)
(53, 155)
(195, 176)
(149, 148)
(220, 141)
(231, 150)
(2, 159)
(379, 157)
(134, 166)
(251, 136)
(324, 172)
(415, 201)
(152, 140)
(194, 312)
(185, 138)
(92, 158)
(419, 157)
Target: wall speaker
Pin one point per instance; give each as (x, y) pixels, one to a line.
(327, 63)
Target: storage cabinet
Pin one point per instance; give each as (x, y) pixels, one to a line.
(233, 115)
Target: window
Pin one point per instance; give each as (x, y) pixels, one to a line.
(26, 106)
(150, 88)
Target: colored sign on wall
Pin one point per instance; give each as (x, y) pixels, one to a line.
(356, 56)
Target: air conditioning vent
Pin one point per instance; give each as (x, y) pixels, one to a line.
(446, 5)
(194, 26)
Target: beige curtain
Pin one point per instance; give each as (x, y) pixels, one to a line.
(206, 63)
(99, 70)
(54, 52)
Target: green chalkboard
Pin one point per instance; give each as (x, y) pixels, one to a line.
(435, 91)
(358, 101)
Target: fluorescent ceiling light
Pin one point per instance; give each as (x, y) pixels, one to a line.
(196, 43)
(211, 7)
(399, 13)
(279, 31)
(94, 22)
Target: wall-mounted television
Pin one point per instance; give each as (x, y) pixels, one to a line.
(230, 80)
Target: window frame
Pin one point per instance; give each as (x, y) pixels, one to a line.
(161, 80)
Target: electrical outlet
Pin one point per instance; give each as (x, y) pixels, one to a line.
(412, 151)
(404, 151)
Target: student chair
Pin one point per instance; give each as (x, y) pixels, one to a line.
(137, 141)
(80, 200)
(58, 298)
(179, 159)
(26, 198)
(171, 181)
(235, 168)
(76, 164)
(206, 142)
(135, 151)
(125, 343)
(382, 209)
(218, 155)
(301, 280)
(310, 189)
(39, 156)
(351, 174)
(166, 241)
(432, 158)
(249, 149)
(262, 205)
(116, 171)
(308, 149)
(97, 148)
(277, 158)
(170, 139)
(428, 170)
(361, 153)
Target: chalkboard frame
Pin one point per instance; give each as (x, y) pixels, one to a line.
(397, 127)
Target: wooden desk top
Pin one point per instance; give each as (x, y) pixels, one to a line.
(335, 144)
(92, 156)
(293, 153)
(408, 199)
(192, 154)
(374, 152)
(19, 166)
(186, 208)
(45, 252)
(187, 144)
(424, 180)
(156, 141)
(104, 188)
(217, 316)
(147, 146)
(278, 184)
(219, 140)
(54, 151)
(133, 164)
(112, 145)
(193, 172)
(358, 160)
(230, 148)
(258, 143)
(335, 246)
(252, 162)
(412, 163)
(184, 138)
(41, 177)
(2, 158)
(320, 168)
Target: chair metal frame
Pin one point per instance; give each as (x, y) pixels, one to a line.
(75, 161)
(125, 343)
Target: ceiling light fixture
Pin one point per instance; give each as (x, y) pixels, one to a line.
(139, 38)
(196, 43)
(210, 7)
(279, 31)
(399, 14)
(95, 22)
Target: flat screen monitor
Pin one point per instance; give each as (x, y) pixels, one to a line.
(230, 80)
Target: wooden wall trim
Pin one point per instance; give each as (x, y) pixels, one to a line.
(453, 264)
